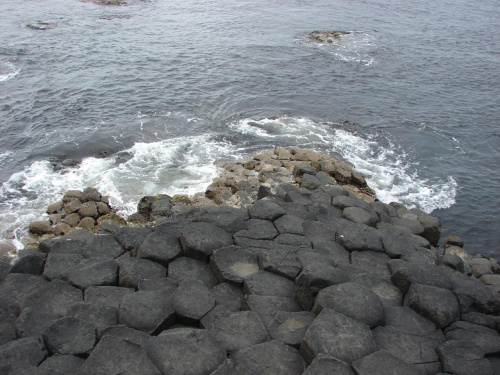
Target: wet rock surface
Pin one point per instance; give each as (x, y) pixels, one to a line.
(314, 278)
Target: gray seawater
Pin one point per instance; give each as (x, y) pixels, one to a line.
(165, 89)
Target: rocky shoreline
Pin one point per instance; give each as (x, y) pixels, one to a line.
(287, 264)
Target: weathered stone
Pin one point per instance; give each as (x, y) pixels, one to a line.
(264, 283)
(359, 238)
(389, 294)
(485, 338)
(473, 295)
(371, 261)
(411, 223)
(15, 287)
(199, 240)
(271, 357)
(310, 181)
(463, 358)
(54, 208)
(61, 363)
(151, 312)
(40, 227)
(30, 351)
(61, 229)
(92, 272)
(230, 219)
(192, 300)
(431, 224)
(70, 335)
(339, 336)
(316, 231)
(383, 363)
(160, 284)
(134, 269)
(98, 315)
(88, 209)
(130, 238)
(452, 261)
(289, 327)
(326, 365)
(270, 305)
(72, 219)
(181, 351)
(186, 269)
(106, 295)
(90, 194)
(282, 260)
(233, 264)
(265, 210)
(229, 368)
(397, 246)
(294, 196)
(102, 246)
(353, 300)
(228, 295)
(289, 224)
(406, 273)
(360, 216)
(331, 250)
(438, 305)
(71, 206)
(239, 330)
(161, 247)
(489, 321)
(258, 229)
(87, 223)
(118, 356)
(31, 260)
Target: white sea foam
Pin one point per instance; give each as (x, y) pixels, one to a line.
(7, 71)
(175, 166)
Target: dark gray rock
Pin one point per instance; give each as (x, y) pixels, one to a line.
(63, 245)
(271, 357)
(289, 327)
(132, 335)
(300, 170)
(473, 295)
(343, 201)
(317, 231)
(360, 216)
(31, 260)
(265, 210)
(30, 351)
(270, 305)
(321, 198)
(294, 196)
(239, 330)
(485, 338)
(70, 336)
(289, 224)
(332, 250)
(431, 225)
(408, 321)
(334, 191)
(102, 246)
(406, 273)
(58, 263)
(326, 365)
(134, 269)
(16, 286)
(339, 336)
(228, 295)
(412, 224)
(230, 219)
(229, 368)
(150, 312)
(258, 230)
(353, 300)
(310, 181)
(489, 321)
(397, 246)
(295, 240)
(118, 356)
(452, 261)
(100, 316)
(160, 247)
(161, 284)
(92, 272)
(130, 238)
(371, 261)
(184, 268)
(199, 240)
(181, 351)
(64, 364)
(264, 283)
(463, 358)
(282, 261)
(233, 264)
(359, 238)
(383, 363)
(192, 300)
(438, 305)
(106, 295)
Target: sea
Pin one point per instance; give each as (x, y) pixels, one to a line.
(149, 96)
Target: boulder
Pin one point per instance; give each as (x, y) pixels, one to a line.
(270, 305)
(132, 335)
(30, 351)
(282, 260)
(359, 238)
(289, 327)
(40, 227)
(230, 219)
(485, 338)
(88, 209)
(289, 224)
(70, 335)
(100, 316)
(326, 365)
(228, 295)
(199, 240)
(383, 363)
(61, 363)
(134, 269)
(371, 261)
(233, 264)
(463, 358)
(57, 263)
(160, 284)
(258, 230)
(405, 273)
(264, 283)
(102, 246)
(389, 294)
(265, 210)
(110, 296)
(31, 260)
(360, 216)
(184, 268)
(130, 238)
(192, 300)
(160, 247)
(92, 272)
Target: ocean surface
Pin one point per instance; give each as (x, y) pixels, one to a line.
(149, 96)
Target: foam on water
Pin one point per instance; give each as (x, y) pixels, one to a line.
(176, 166)
(7, 71)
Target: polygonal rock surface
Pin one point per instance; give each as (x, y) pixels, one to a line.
(116, 356)
(103, 246)
(199, 240)
(383, 363)
(282, 260)
(326, 365)
(106, 295)
(270, 358)
(31, 351)
(65, 364)
(92, 272)
(160, 247)
(159, 284)
(229, 368)
(339, 336)
(16, 286)
(407, 320)
(360, 216)
(353, 300)
(258, 230)
(132, 237)
(265, 210)
(289, 327)
(239, 330)
(185, 351)
(134, 269)
(184, 268)
(270, 305)
(132, 335)
(100, 316)
(486, 339)
(70, 336)
(405, 273)
(389, 294)
(233, 264)
(289, 224)
(438, 305)
(463, 358)
(268, 284)
(230, 219)
(228, 295)
(192, 300)
(359, 238)
(150, 312)
(371, 261)
(30, 261)
(58, 263)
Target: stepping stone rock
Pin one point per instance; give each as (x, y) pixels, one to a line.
(438, 305)
(110, 296)
(258, 230)
(360, 216)
(289, 224)
(92, 272)
(270, 358)
(233, 264)
(408, 321)
(30, 351)
(229, 368)
(359, 238)
(463, 358)
(30, 261)
(317, 231)
(282, 261)
(100, 316)
(486, 339)
(339, 336)
(160, 247)
(192, 300)
(199, 240)
(326, 365)
(228, 295)
(132, 270)
(184, 268)
(70, 336)
(58, 263)
(131, 238)
(230, 219)
(371, 261)
(118, 356)
(150, 312)
(353, 300)
(182, 351)
(289, 327)
(132, 335)
(389, 294)
(61, 363)
(332, 250)
(16, 286)
(265, 210)
(383, 363)
(160, 284)
(406, 273)
(239, 330)
(270, 305)
(264, 283)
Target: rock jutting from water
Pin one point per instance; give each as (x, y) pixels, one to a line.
(327, 36)
(286, 265)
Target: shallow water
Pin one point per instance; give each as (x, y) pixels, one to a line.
(166, 89)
